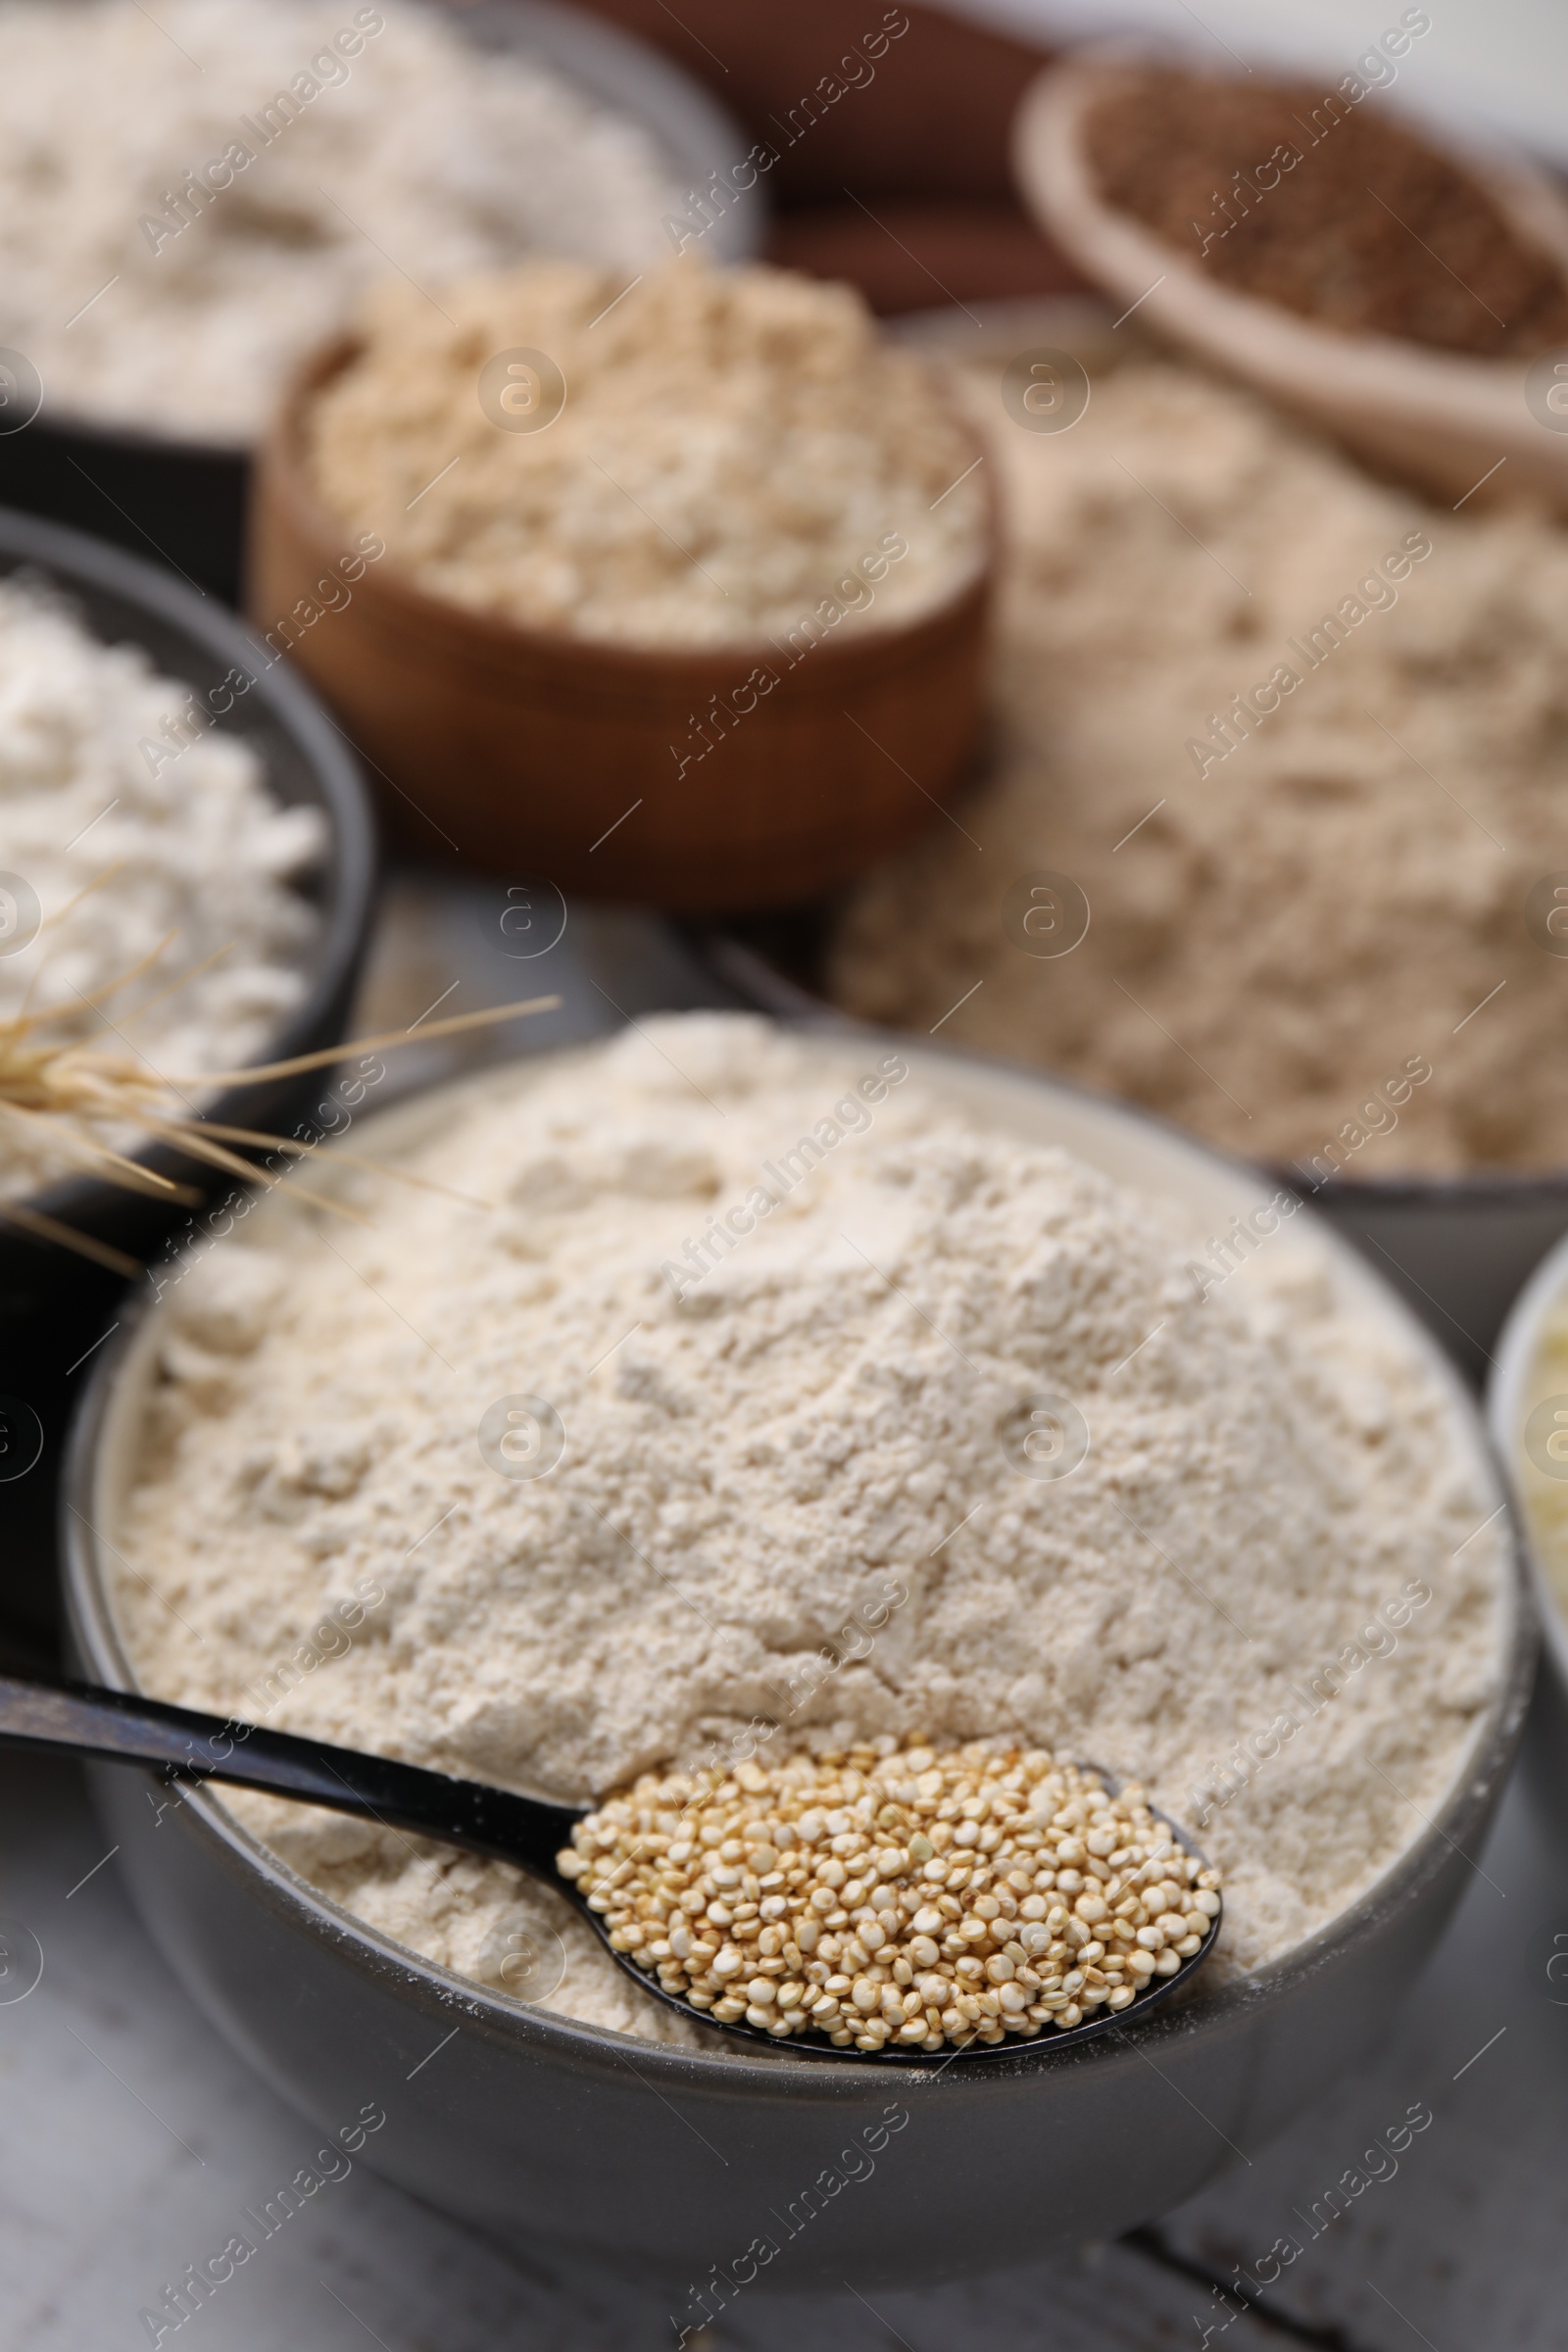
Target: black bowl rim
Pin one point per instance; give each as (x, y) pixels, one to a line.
(74, 560)
(767, 988)
(436, 1989)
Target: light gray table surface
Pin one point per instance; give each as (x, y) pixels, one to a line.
(131, 2135)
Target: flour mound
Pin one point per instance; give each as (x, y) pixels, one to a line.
(833, 1419)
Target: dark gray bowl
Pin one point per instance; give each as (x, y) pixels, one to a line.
(184, 503)
(667, 2162)
(53, 1303)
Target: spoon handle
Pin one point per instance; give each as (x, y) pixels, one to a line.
(78, 1719)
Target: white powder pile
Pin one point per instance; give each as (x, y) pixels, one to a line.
(835, 1415)
(1295, 894)
(211, 183)
(134, 832)
(734, 447)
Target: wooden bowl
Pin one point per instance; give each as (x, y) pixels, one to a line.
(557, 755)
(1442, 421)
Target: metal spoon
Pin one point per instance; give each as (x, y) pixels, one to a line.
(121, 1726)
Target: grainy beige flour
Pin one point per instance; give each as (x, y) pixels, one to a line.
(834, 1418)
(1292, 901)
(735, 449)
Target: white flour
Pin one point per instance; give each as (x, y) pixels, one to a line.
(134, 831)
(828, 1418)
(391, 147)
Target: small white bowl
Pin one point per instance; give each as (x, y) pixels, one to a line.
(1510, 1398)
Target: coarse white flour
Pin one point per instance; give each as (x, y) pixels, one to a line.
(835, 1418)
(191, 196)
(149, 849)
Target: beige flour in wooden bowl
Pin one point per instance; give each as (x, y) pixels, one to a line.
(1302, 744)
(736, 455)
(797, 1479)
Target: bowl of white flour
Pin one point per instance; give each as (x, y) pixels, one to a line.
(852, 1389)
(191, 204)
(187, 860)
